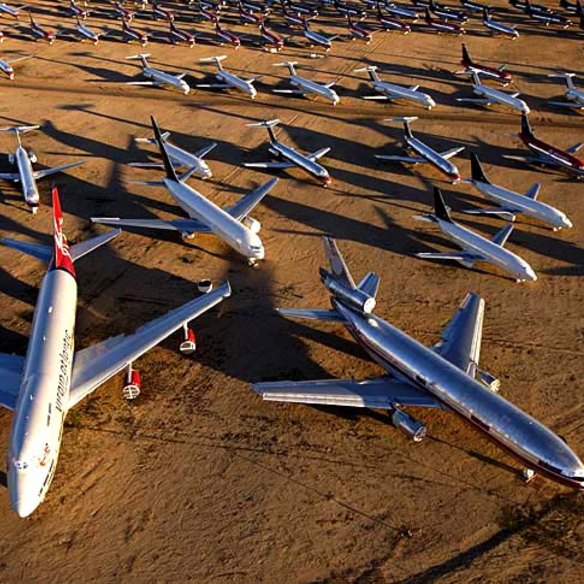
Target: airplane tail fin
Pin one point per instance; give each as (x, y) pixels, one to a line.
(290, 64)
(371, 70)
(466, 60)
(477, 171)
(567, 77)
(526, 126)
(141, 56)
(440, 208)
(217, 60)
(62, 254)
(486, 14)
(168, 167)
(337, 263)
(269, 125)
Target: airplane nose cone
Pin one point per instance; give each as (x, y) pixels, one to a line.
(530, 274)
(566, 223)
(24, 508)
(23, 495)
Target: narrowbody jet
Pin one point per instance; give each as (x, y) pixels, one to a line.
(86, 33)
(488, 95)
(77, 11)
(426, 154)
(497, 73)
(14, 12)
(269, 39)
(26, 175)
(511, 203)
(475, 248)
(303, 86)
(233, 225)
(178, 35)
(546, 154)
(226, 36)
(358, 31)
(391, 92)
(40, 32)
(290, 157)
(52, 378)
(574, 96)
(446, 376)
(133, 34)
(497, 27)
(7, 68)
(442, 26)
(317, 38)
(229, 80)
(391, 22)
(159, 78)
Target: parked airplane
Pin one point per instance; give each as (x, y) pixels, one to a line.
(401, 11)
(206, 13)
(548, 17)
(293, 18)
(571, 8)
(229, 80)
(25, 175)
(246, 16)
(446, 376)
(270, 39)
(226, 36)
(159, 11)
(472, 6)
(574, 96)
(391, 23)
(317, 38)
(120, 11)
(42, 387)
(133, 34)
(159, 78)
(178, 35)
(289, 157)
(446, 13)
(194, 163)
(475, 247)
(233, 225)
(489, 95)
(14, 12)
(305, 86)
(497, 73)
(358, 31)
(440, 25)
(42, 33)
(440, 160)
(497, 27)
(392, 92)
(349, 10)
(87, 33)
(512, 203)
(77, 11)
(548, 155)
(6, 66)
(309, 11)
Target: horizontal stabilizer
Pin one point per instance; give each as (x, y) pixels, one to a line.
(84, 247)
(36, 250)
(501, 237)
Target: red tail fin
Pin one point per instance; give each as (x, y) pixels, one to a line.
(63, 259)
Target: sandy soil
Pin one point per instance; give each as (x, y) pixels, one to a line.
(198, 480)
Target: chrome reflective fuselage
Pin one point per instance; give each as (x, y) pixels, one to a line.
(511, 428)
(237, 83)
(183, 158)
(434, 158)
(316, 88)
(302, 161)
(500, 28)
(162, 78)
(492, 94)
(27, 180)
(399, 92)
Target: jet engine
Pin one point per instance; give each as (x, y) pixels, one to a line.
(489, 380)
(132, 385)
(11, 158)
(189, 344)
(353, 296)
(252, 224)
(32, 156)
(410, 426)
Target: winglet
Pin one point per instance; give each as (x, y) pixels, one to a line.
(63, 259)
(440, 209)
(168, 167)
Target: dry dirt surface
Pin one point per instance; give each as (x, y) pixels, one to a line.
(198, 480)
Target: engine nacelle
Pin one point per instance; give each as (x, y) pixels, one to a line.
(489, 380)
(32, 156)
(131, 389)
(252, 224)
(356, 298)
(410, 426)
(189, 345)
(11, 158)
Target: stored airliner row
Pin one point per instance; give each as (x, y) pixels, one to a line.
(440, 160)
(42, 387)
(488, 95)
(180, 158)
(497, 73)
(574, 96)
(159, 78)
(290, 157)
(233, 225)
(25, 175)
(303, 86)
(512, 203)
(475, 247)
(392, 92)
(229, 80)
(446, 376)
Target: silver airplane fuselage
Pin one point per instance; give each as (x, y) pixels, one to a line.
(500, 28)
(316, 88)
(318, 39)
(575, 95)
(487, 249)
(7, 69)
(511, 428)
(398, 92)
(183, 158)
(88, 34)
(495, 95)
(42, 401)
(434, 158)
(27, 181)
(236, 82)
(300, 160)
(221, 223)
(162, 78)
(523, 204)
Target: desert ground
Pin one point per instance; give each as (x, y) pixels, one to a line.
(198, 480)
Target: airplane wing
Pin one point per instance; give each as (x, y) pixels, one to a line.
(94, 365)
(245, 205)
(48, 171)
(380, 392)
(501, 237)
(182, 225)
(452, 152)
(379, 97)
(575, 148)
(318, 154)
(141, 83)
(567, 104)
(11, 367)
(311, 314)
(479, 100)
(460, 341)
(407, 159)
(213, 85)
(503, 212)
(271, 164)
(414, 88)
(204, 151)
(533, 191)
(291, 91)
(9, 176)
(449, 255)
